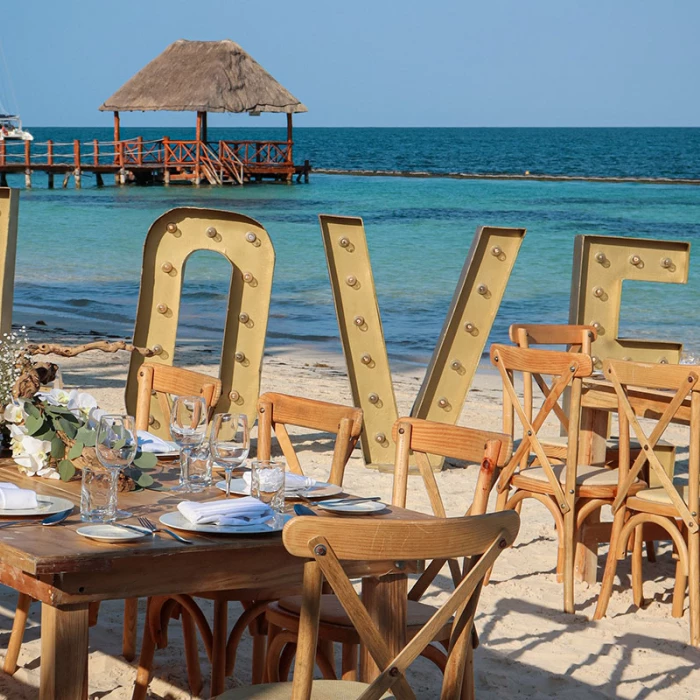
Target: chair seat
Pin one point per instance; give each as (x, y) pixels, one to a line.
(586, 475)
(333, 613)
(660, 495)
(320, 690)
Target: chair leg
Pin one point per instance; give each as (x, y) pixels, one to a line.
(93, 613)
(17, 635)
(651, 551)
(637, 580)
(143, 674)
(349, 662)
(129, 629)
(679, 591)
(468, 691)
(272, 631)
(569, 558)
(259, 651)
(194, 671)
(694, 586)
(501, 501)
(610, 565)
(218, 651)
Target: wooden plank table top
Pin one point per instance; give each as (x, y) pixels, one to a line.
(66, 571)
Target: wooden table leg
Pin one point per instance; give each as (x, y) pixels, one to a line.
(386, 599)
(64, 653)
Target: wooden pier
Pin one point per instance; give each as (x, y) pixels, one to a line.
(163, 161)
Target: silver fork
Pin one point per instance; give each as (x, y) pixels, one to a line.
(145, 522)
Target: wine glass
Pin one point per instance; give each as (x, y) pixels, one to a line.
(115, 447)
(229, 442)
(188, 426)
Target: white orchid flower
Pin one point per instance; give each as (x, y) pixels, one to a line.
(48, 473)
(14, 413)
(56, 397)
(32, 454)
(94, 417)
(81, 403)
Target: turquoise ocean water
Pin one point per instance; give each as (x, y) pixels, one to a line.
(79, 253)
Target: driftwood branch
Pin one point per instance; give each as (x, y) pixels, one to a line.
(73, 350)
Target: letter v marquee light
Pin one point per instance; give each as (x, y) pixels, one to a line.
(460, 345)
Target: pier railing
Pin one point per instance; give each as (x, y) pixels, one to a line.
(218, 162)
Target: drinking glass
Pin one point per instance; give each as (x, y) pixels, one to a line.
(229, 442)
(188, 425)
(267, 483)
(115, 447)
(98, 495)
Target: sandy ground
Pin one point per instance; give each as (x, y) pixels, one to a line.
(529, 647)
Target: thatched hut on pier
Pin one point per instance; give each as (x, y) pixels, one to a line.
(211, 76)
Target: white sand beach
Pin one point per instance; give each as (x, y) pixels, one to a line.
(529, 647)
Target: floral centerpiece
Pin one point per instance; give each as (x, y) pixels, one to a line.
(52, 434)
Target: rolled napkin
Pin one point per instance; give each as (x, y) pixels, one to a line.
(293, 483)
(241, 511)
(14, 498)
(148, 442)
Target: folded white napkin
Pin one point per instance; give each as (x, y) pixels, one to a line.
(240, 511)
(293, 483)
(148, 442)
(14, 498)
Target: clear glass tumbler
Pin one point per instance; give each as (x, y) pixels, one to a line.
(98, 495)
(267, 479)
(200, 467)
(188, 426)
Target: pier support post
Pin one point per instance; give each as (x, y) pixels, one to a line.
(50, 180)
(122, 177)
(3, 180)
(66, 178)
(99, 180)
(166, 177)
(78, 178)
(28, 178)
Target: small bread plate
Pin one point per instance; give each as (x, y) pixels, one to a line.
(350, 508)
(109, 533)
(167, 455)
(319, 490)
(47, 506)
(178, 521)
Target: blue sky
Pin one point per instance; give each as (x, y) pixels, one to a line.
(379, 63)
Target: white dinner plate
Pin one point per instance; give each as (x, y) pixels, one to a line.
(177, 520)
(47, 506)
(353, 508)
(319, 490)
(109, 533)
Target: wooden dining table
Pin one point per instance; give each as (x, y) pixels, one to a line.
(66, 572)
(598, 402)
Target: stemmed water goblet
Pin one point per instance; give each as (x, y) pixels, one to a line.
(115, 447)
(229, 442)
(188, 426)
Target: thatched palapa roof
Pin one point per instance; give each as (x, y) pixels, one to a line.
(203, 76)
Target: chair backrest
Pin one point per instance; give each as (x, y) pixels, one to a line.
(422, 437)
(326, 543)
(165, 381)
(566, 370)
(575, 338)
(681, 387)
(277, 411)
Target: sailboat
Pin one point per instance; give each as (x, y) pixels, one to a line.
(10, 124)
(11, 129)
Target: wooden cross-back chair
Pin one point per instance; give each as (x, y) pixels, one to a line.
(164, 381)
(275, 412)
(324, 542)
(420, 437)
(668, 506)
(571, 491)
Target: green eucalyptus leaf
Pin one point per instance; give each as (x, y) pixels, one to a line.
(119, 444)
(58, 448)
(66, 469)
(68, 428)
(145, 460)
(76, 450)
(46, 432)
(145, 480)
(34, 424)
(86, 436)
(31, 410)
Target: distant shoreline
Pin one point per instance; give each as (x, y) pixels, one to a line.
(505, 176)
